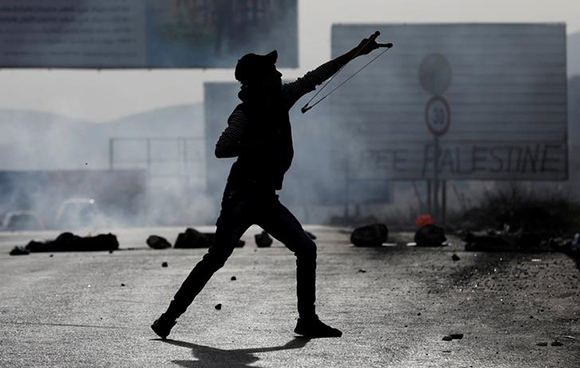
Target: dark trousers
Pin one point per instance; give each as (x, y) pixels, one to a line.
(241, 209)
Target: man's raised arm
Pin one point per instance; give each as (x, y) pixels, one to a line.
(294, 90)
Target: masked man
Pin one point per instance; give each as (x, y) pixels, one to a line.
(259, 135)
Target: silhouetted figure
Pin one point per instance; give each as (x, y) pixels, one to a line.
(259, 134)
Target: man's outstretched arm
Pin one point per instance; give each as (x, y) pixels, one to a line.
(293, 91)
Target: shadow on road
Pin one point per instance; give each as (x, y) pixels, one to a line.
(239, 358)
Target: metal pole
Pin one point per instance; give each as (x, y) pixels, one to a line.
(418, 195)
(444, 201)
(429, 197)
(347, 182)
(111, 141)
(436, 208)
(184, 179)
(148, 156)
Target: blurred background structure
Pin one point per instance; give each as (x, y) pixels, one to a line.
(109, 110)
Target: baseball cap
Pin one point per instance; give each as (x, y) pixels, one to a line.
(251, 66)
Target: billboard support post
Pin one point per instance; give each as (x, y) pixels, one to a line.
(436, 180)
(443, 201)
(111, 153)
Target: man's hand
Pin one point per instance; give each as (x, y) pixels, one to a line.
(364, 47)
(367, 45)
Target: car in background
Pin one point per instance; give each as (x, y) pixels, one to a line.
(21, 221)
(80, 213)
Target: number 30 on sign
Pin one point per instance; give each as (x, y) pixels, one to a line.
(437, 116)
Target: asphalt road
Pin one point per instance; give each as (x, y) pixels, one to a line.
(394, 305)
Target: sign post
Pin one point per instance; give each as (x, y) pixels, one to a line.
(435, 78)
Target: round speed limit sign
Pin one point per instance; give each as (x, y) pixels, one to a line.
(437, 115)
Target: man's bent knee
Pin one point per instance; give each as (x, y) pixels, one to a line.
(306, 250)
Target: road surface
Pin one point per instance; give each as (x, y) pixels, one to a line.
(394, 304)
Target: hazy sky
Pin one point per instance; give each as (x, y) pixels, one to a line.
(106, 95)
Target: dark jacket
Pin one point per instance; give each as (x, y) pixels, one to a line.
(261, 137)
(266, 150)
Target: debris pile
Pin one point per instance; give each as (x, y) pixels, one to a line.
(456, 336)
(370, 236)
(430, 236)
(570, 246)
(19, 250)
(68, 242)
(553, 343)
(521, 241)
(489, 241)
(192, 238)
(158, 242)
(263, 240)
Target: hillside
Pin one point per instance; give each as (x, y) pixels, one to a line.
(32, 140)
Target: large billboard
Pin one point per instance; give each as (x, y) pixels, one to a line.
(145, 34)
(456, 101)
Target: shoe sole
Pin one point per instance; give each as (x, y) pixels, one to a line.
(158, 333)
(303, 334)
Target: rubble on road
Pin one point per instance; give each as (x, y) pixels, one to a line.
(192, 238)
(19, 250)
(488, 242)
(563, 244)
(370, 236)
(456, 336)
(157, 242)
(263, 240)
(68, 242)
(521, 241)
(430, 236)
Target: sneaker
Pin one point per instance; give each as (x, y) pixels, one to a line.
(314, 327)
(162, 326)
